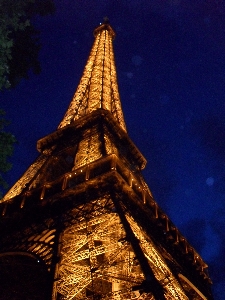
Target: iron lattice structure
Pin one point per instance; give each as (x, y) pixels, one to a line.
(81, 223)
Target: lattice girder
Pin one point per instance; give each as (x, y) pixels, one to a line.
(84, 209)
(97, 259)
(96, 213)
(98, 85)
(99, 136)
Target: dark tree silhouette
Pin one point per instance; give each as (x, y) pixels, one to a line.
(19, 50)
(19, 40)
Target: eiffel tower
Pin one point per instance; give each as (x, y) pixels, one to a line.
(81, 223)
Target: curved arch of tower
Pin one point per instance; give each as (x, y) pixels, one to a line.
(84, 212)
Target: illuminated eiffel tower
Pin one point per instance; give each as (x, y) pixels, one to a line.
(81, 223)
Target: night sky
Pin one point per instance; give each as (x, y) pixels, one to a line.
(170, 59)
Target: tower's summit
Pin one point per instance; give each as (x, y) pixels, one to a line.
(98, 85)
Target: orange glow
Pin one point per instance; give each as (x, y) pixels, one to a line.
(96, 254)
(98, 85)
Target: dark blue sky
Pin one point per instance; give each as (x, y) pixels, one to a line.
(170, 58)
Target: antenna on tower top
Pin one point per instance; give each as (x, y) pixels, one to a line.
(106, 20)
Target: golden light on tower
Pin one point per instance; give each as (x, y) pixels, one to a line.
(98, 229)
(98, 85)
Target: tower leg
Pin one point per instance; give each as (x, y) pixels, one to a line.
(150, 284)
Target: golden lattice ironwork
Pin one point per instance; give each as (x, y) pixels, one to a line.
(89, 149)
(84, 211)
(158, 265)
(98, 85)
(96, 258)
(29, 175)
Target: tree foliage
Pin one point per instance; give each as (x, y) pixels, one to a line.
(7, 141)
(19, 49)
(19, 40)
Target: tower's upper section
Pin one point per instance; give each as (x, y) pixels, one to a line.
(98, 85)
